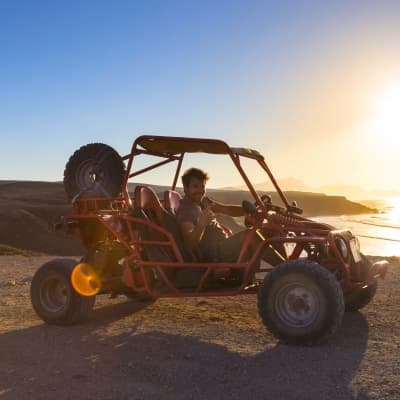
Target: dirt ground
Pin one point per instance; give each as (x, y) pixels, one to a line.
(203, 348)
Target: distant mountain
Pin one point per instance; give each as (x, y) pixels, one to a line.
(288, 183)
(357, 192)
(312, 203)
(353, 192)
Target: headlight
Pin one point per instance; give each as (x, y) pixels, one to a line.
(357, 243)
(341, 245)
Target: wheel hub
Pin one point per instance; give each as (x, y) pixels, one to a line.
(54, 294)
(297, 305)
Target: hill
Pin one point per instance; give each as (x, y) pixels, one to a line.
(28, 210)
(353, 192)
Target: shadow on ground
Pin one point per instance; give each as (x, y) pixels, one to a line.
(47, 362)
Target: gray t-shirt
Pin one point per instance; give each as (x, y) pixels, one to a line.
(207, 249)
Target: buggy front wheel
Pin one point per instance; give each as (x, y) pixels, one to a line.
(300, 302)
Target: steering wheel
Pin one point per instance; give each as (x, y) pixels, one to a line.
(249, 207)
(253, 217)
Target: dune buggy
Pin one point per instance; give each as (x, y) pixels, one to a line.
(305, 273)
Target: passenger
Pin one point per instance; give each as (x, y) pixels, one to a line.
(201, 232)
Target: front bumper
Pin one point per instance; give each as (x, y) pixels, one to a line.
(377, 270)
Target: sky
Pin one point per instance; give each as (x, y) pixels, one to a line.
(312, 85)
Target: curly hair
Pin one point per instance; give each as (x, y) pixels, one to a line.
(194, 173)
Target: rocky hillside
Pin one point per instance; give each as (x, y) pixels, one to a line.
(28, 210)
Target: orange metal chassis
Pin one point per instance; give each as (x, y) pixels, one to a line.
(113, 214)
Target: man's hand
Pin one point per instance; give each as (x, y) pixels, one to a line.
(205, 217)
(191, 233)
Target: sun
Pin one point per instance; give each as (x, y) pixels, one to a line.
(386, 117)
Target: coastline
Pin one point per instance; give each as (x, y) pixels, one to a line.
(376, 238)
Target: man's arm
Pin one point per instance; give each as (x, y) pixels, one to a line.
(227, 209)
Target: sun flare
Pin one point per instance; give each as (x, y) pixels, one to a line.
(394, 212)
(386, 120)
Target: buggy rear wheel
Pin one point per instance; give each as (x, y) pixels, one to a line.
(301, 302)
(94, 170)
(53, 297)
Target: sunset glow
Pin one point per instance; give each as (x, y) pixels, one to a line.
(314, 88)
(386, 121)
(394, 213)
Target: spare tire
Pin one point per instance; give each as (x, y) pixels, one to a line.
(94, 170)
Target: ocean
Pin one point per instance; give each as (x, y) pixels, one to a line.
(379, 233)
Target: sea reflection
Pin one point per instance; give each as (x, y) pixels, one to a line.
(393, 212)
(379, 233)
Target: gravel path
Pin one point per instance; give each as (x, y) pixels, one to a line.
(204, 348)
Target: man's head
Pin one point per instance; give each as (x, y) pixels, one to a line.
(194, 184)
